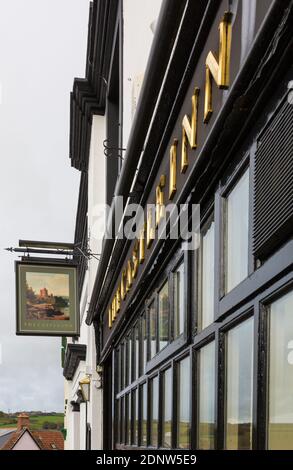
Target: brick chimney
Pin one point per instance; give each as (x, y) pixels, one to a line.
(23, 421)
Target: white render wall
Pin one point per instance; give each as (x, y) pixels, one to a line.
(139, 18)
(75, 422)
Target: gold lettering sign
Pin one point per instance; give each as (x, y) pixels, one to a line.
(219, 71)
(135, 260)
(129, 276)
(110, 317)
(173, 169)
(189, 131)
(123, 285)
(114, 309)
(142, 244)
(160, 199)
(150, 227)
(118, 300)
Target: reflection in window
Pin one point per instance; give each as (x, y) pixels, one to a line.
(164, 316)
(239, 386)
(167, 409)
(153, 330)
(122, 435)
(127, 419)
(144, 415)
(135, 417)
(154, 412)
(183, 420)
(136, 337)
(122, 366)
(206, 405)
(237, 233)
(280, 394)
(179, 301)
(207, 276)
(144, 343)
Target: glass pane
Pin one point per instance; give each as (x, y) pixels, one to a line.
(207, 276)
(136, 331)
(118, 421)
(183, 423)
(122, 420)
(179, 301)
(131, 357)
(122, 366)
(167, 409)
(127, 420)
(237, 233)
(280, 427)
(144, 415)
(206, 405)
(153, 329)
(134, 417)
(239, 386)
(127, 362)
(164, 316)
(154, 412)
(144, 343)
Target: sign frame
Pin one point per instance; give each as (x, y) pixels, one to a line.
(53, 267)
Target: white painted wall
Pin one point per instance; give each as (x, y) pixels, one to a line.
(138, 18)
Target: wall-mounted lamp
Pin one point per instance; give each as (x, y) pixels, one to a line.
(85, 388)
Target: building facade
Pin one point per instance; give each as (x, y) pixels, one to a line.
(192, 347)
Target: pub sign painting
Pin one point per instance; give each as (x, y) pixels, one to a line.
(46, 300)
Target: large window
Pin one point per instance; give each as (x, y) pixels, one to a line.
(206, 399)
(154, 418)
(152, 329)
(239, 369)
(206, 275)
(179, 310)
(236, 243)
(163, 311)
(183, 404)
(144, 412)
(167, 409)
(280, 372)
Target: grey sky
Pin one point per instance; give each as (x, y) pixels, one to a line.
(42, 48)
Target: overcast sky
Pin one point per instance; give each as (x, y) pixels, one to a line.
(42, 48)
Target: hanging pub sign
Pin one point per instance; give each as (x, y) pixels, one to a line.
(46, 299)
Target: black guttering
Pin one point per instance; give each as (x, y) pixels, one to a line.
(74, 354)
(88, 96)
(163, 42)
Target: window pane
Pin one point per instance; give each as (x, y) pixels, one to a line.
(129, 439)
(135, 417)
(183, 423)
(280, 428)
(239, 386)
(131, 356)
(136, 332)
(237, 233)
(122, 366)
(154, 411)
(153, 329)
(127, 419)
(206, 406)
(144, 415)
(118, 420)
(127, 362)
(179, 301)
(207, 276)
(122, 434)
(167, 409)
(164, 316)
(144, 343)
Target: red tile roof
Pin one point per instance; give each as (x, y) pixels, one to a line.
(46, 440)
